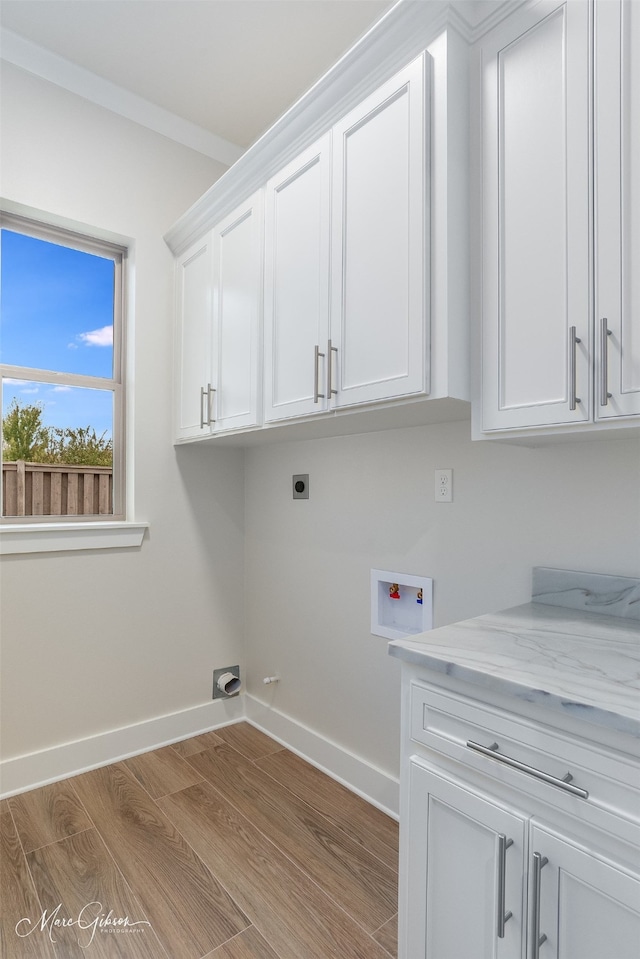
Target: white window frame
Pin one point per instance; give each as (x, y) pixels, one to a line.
(45, 533)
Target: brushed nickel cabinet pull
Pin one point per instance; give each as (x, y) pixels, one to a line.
(605, 332)
(539, 862)
(202, 396)
(565, 783)
(330, 390)
(503, 845)
(316, 376)
(573, 342)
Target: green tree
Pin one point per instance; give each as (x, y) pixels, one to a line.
(23, 435)
(81, 447)
(25, 438)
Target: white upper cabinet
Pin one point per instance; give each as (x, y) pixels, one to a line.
(237, 302)
(219, 296)
(346, 269)
(379, 304)
(193, 358)
(617, 208)
(296, 296)
(560, 276)
(360, 303)
(536, 275)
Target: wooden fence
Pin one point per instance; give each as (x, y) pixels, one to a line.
(52, 489)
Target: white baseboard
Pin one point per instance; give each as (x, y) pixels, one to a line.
(40, 768)
(70, 759)
(374, 785)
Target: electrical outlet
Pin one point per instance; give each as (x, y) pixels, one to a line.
(300, 484)
(444, 486)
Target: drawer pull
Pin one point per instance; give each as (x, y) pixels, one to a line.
(492, 753)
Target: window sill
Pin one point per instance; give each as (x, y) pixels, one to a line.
(56, 537)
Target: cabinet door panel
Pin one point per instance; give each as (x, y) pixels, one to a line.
(536, 219)
(193, 334)
(297, 283)
(588, 907)
(237, 293)
(617, 166)
(378, 248)
(452, 880)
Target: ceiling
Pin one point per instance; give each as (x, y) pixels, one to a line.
(231, 67)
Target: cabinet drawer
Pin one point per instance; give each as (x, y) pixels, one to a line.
(528, 756)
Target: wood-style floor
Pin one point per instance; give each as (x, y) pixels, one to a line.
(225, 846)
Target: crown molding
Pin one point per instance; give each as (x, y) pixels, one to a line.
(403, 33)
(49, 66)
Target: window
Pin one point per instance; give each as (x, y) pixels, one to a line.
(61, 364)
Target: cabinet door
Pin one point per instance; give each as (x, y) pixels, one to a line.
(237, 297)
(194, 274)
(617, 172)
(587, 907)
(296, 321)
(458, 879)
(379, 254)
(536, 226)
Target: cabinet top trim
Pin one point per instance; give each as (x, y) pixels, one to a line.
(402, 34)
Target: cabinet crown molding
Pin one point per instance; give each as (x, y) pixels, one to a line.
(403, 33)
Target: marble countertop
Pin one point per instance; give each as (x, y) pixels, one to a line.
(582, 664)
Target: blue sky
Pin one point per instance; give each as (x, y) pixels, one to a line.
(57, 314)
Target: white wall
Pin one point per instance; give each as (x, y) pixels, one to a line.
(574, 505)
(96, 641)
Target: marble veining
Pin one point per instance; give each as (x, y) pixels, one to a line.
(583, 664)
(591, 592)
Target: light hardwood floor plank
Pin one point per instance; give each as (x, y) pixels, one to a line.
(364, 823)
(162, 772)
(387, 936)
(251, 742)
(294, 916)
(360, 882)
(78, 882)
(247, 945)
(190, 912)
(18, 899)
(48, 814)
(197, 744)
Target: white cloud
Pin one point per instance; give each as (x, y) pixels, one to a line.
(34, 389)
(101, 337)
(72, 346)
(61, 389)
(11, 381)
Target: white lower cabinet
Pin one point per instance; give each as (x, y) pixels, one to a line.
(519, 838)
(466, 894)
(487, 882)
(587, 908)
